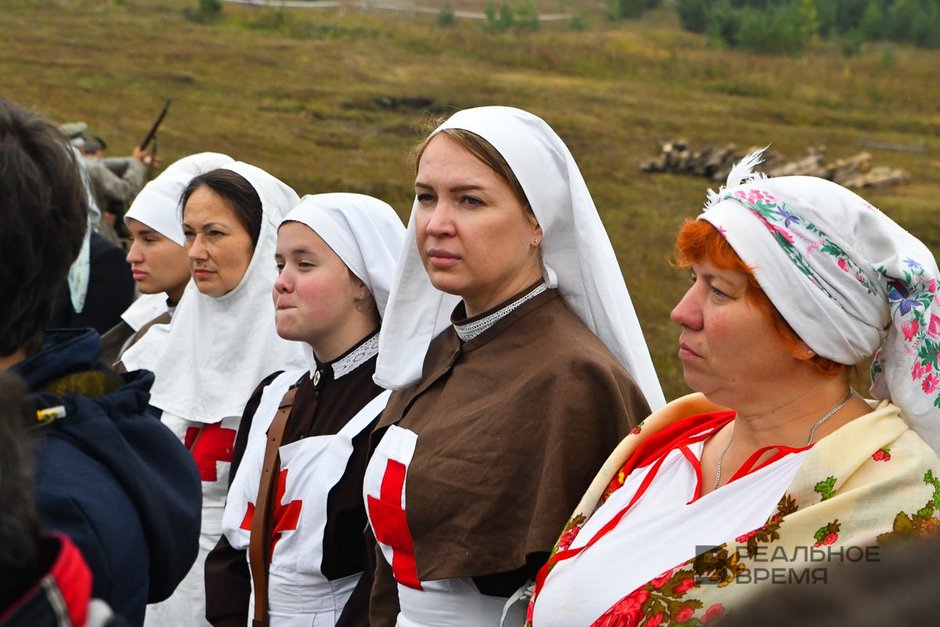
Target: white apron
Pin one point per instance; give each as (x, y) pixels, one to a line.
(211, 445)
(439, 603)
(299, 594)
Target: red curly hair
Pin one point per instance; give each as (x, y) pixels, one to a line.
(699, 240)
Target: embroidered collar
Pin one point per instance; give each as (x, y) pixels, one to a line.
(472, 327)
(341, 366)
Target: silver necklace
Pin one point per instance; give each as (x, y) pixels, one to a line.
(809, 440)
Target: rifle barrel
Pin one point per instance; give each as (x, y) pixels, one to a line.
(156, 124)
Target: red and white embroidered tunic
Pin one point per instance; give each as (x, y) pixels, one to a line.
(658, 519)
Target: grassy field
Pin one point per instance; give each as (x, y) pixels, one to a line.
(333, 100)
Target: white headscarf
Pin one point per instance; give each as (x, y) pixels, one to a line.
(577, 256)
(157, 204)
(849, 281)
(80, 270)
(216, 350)
(363, 231)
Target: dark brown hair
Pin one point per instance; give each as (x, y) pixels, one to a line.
(44, 214)
(240, 196)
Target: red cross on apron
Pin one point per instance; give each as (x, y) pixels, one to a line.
(209, 444)
(391, 525)
(285, 517)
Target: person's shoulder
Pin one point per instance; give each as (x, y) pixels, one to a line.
(562, 337)
(554, 318)
(910, 447)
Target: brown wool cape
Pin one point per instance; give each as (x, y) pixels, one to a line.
(511, 426)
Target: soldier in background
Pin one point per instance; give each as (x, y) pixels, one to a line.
(115, 181)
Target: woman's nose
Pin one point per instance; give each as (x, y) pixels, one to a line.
(688, 312)
(441, 220)
(197, 249)
(282, 283)
(133, 253)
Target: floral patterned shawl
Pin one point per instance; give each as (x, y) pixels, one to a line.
(847, 278)
(872, 482)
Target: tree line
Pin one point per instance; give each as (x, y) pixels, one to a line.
(790, 26)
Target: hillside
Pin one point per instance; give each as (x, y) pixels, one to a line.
(333, 100)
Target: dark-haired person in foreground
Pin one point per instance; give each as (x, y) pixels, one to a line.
(44, 580)
(107, 475)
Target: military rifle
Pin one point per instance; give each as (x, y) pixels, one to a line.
(152, 133)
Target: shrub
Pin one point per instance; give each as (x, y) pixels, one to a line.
(210, 8)
(852, 43)
(499, 18)
(872, 23)
(628, 9)
(447, 17)
(527, 17)
(206, 10)
(693, 14)
(578, 22)
(777, 31)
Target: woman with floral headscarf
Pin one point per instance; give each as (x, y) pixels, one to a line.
(517, 361)
(776, 468)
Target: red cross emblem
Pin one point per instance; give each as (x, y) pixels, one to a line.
(285, 516)
(391, 525)
(209, 444)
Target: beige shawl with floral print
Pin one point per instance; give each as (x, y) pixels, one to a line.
(872, 482)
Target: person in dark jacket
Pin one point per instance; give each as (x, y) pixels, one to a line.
(44, 580)
(108, 475)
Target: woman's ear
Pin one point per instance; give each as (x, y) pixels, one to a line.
(803, 352)
(536, 227)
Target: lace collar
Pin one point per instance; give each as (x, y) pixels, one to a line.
(472, 327)
(341, 366)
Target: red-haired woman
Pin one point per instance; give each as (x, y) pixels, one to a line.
(777, 467)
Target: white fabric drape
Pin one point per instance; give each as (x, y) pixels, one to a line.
(363, 231)
(213, 354)
(158, 203)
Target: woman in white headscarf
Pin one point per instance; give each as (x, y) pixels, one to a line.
(295, 508)
(519, 363)
(220, 343)
(157, 255)
(777, 468)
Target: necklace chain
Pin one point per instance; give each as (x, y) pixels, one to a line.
(829, 414)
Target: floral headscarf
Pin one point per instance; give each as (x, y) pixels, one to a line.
(847, 278)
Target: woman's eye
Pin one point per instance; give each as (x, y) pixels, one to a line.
(717, 293)
(279, 266)
(471, 200)
(424, 197)
(305, 265)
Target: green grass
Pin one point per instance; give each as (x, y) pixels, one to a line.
(333, 100)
